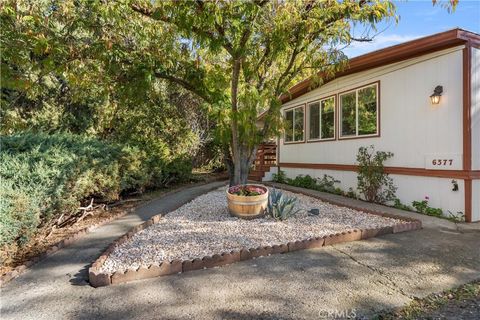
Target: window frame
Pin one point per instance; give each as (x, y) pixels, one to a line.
(334, 96)
(375, 84)
(302, 106)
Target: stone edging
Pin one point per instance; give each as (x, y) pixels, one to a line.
(79, 234)
(98, 278)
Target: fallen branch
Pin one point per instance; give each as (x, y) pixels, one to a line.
(85, 212)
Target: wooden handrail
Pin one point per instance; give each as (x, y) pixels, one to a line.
(266, 156)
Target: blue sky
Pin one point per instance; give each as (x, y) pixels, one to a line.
(420, 18)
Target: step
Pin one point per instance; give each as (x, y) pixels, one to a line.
(263, 168)
(257, 174)
(266, 161)
(269, 154)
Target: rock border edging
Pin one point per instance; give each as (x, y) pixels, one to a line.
(18, 270)
(100, 279)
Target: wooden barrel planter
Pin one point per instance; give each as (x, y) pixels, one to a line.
(247, 207)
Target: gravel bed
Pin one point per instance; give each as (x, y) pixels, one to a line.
(204, 227)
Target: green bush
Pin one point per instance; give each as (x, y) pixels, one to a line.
(372, 181)
(399, 205)
(304, 181)
(280, 177)
(324, 184)
(423, 207)
(44, 176)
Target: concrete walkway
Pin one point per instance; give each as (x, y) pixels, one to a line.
(361, 277)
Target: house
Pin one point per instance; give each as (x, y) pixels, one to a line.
(419, 100)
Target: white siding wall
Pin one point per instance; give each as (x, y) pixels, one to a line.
(476, 200)
(411, 127)
(475, 113)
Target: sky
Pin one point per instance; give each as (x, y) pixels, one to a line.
(419, 18)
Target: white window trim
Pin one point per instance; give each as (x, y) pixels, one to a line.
(320, 115)
(293, 133)
(340, 129)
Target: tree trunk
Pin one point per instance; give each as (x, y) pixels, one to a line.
(242, 154)
(239, 175)
(235, 142)
(227, 158)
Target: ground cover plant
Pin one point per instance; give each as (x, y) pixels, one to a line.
(324, 184)
(423, 207)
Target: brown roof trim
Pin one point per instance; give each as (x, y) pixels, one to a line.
(392, 54)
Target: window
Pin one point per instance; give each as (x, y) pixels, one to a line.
(294, 124)
(321, 115)
(359, 112)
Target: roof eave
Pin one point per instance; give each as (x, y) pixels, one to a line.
(390, 55)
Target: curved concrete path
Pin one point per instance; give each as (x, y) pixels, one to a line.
(354, 278)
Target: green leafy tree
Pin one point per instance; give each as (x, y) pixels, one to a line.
(241, 56)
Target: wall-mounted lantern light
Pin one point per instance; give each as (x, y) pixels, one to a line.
(437, 93)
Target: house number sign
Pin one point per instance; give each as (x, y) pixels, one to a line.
(443, 161)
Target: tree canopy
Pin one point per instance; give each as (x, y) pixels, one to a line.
(235, 57)
(244, 55)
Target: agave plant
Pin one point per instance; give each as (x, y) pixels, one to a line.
(281, 206)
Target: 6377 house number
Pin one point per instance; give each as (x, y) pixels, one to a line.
(442, 162)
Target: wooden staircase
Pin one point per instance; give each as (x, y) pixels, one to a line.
(266, 158)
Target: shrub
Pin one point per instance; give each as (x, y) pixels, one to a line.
(304, 181)
(372, 181)
(325, 184)
(176, 170)
(44, 176)
(280, 177)
(423, 207)
(351, 193)
(281, 206)
(399, 205)
(456, 217)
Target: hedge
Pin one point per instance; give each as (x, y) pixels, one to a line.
(43, 176)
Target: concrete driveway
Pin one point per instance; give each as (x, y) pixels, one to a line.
(352, 279)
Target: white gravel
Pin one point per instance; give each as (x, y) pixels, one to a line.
(204, 227)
